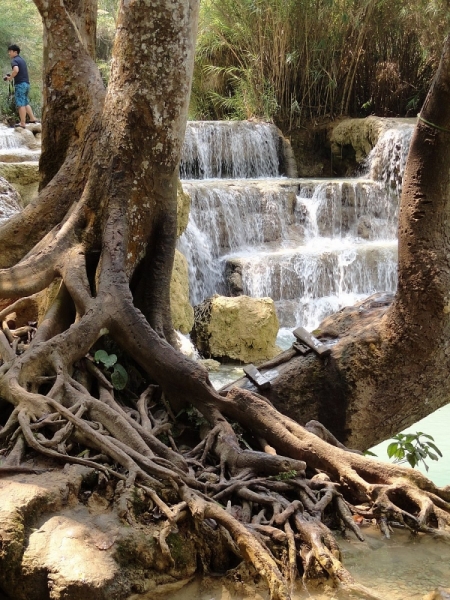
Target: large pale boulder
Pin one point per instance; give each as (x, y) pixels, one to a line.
(64, 535)
(182, 311)
(240, 328)
(361, 134)
(23, 176)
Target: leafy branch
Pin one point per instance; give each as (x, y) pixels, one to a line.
(413, 448)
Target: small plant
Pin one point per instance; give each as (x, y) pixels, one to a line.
(411, 448)
(286, 475)
(119, 376)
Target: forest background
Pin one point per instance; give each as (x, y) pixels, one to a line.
(293, 62)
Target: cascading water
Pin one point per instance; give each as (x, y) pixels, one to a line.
(311, 245)
(8, 138)
(233, 149)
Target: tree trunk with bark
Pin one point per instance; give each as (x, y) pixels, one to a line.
(99, 242)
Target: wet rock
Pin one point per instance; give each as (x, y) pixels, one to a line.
(233, 277)
(23, 176)
(438, 594)
(360, 135)
(210, 364)
(9, 200)
(183, 209)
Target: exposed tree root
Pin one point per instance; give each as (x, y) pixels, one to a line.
(273, 505)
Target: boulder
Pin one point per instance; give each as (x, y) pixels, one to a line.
(183, 208)
(360, 135)
(63, 536)
(23, 176)
(240, 328)
(182, 311)
(438, 594)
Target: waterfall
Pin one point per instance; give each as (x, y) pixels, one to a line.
(313, 245)
(234, 149)
(8, 138)
(387, 160)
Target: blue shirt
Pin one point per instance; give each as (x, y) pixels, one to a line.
(22, 75)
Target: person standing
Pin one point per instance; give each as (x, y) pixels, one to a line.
(19, 74)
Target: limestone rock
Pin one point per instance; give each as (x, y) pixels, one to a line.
(240, 328)
(29, 136)
(23, 176)
(210, 364)
(361, 134)
(438, 594)
(182, 311)
(288, 163)
(183, 208)
(61, 537)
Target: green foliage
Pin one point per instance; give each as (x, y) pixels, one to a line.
(413, 448)
(295, 60)
(194, 416)
(20, 24)
(118, 374)
(106, 29)
(286, 475)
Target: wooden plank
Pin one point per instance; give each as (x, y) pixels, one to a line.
(305, 337)
(256, 377)
(301, 348)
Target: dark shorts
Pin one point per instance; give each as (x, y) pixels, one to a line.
(21, 94)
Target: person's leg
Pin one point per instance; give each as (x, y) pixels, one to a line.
(20, 92)
(22, 115)
(30, 114)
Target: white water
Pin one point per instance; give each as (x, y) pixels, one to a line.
(311, 245)
(237, 149)
(9, 138)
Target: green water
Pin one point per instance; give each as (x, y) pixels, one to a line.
(404, 567)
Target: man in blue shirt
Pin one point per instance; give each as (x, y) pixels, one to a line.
(19, 74)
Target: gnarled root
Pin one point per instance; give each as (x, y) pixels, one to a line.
(271, 506)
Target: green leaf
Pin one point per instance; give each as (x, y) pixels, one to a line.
(101, 356)
(400, 454)
(412, 460)
(392, 449)
(433, 456)
(369, 453)
(435, 448)
(110, 361)
(119, 377)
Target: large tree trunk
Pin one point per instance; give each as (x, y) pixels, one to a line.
(103, 229)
